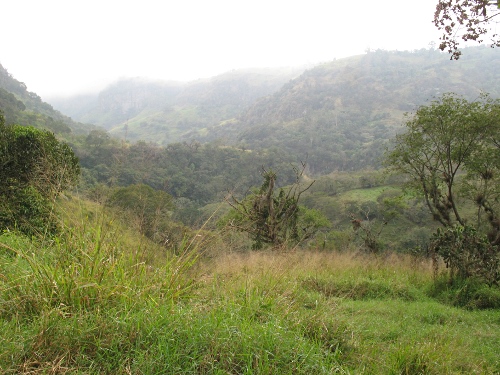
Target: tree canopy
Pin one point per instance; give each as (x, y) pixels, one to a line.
(450, 152)
(466, 20)
(451, 156)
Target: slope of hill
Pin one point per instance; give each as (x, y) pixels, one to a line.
(341, 113)
(26, 108)
(338, 115)
(162, 112)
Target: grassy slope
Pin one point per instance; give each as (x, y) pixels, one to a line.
(98, 300)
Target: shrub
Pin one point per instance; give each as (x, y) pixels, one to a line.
(467, 253)
(35, 168)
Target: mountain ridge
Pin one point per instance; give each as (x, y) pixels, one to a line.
(24, 107)
(338, 115)
(136, 107)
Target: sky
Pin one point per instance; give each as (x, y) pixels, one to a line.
(65, 47)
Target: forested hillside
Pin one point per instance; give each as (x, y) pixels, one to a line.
(164, 112)
(341, 113)
(23, 107)
(338, 115)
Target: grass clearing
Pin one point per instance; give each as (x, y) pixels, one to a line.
(89, 302)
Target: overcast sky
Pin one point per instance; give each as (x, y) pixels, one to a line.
(59, 47)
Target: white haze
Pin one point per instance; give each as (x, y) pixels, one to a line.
(61, 47)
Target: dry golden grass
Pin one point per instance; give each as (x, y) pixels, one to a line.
(297, 262)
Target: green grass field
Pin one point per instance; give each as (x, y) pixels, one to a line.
(99, 300)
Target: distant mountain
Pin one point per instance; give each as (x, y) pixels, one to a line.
(340, 114)
(163, 112)
(23, 107)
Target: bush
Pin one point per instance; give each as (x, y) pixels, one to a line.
(485, 298)
(26, 210)
(35, 168)
(471, 293)
(468, 254)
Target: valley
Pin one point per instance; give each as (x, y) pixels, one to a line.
(335, 218)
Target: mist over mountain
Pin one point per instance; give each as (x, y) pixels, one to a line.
(23, 107)
(338, 115)
(164, 111)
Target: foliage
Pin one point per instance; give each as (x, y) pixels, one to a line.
(468, 254)
(150, 210)
(443, 140)
(23, 208)
(35, 168)
(467, 19)
(272, 217)
(200, 173)
(450, 153)
(35, 157)
(369, 232)
(472, 294)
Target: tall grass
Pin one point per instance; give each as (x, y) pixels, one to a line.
(84, 269)
(368, 314)
(101, 300)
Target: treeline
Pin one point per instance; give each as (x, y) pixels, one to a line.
(198, 173)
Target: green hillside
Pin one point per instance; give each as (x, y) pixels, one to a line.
(164, 112)
(340, 114)
(23, 107)
(102, 300)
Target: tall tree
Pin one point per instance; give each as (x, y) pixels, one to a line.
(450, 152)
(451, 155)
(466, 20)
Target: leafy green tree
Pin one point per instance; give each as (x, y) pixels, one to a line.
(450, 154)
(468, 254)
(34, 168)
(97, 138)
(467, 20)
(35, 157)
(444, 140)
